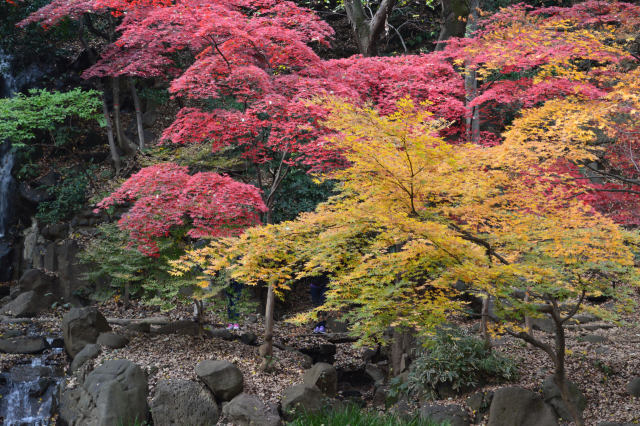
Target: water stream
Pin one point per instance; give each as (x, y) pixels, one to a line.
(8, 86)
(29, 391)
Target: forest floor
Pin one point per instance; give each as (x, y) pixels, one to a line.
(601, 370)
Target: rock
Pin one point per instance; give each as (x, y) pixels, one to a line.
(340, 338)
(584, 318)
(375, 373)
(183, 402)
(247, 410)
(479, 402)
(40, 387)
(183, 327)
(112, 340)
(633, 387)
(32, 195)
(380, 395)
(543, 324)
(37, 280)
(113, 394)
(551, 394)
(222, 377)
(324, 376)
(301, 398)
(55, 231)
(82, 326)
(249, 338)
(28, 304)
(23, 345)
(594, 338)
(221, 333)
(371, 354)
(321, 353)
(88, 352)
(514, 405)
(594, 326)
(139, 327)
(453, 414)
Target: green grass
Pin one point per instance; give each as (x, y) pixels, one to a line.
(353, 416)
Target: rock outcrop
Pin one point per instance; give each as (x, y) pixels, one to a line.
(113, 394)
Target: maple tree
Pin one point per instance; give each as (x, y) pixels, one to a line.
(522, 57)
(417, 214)
(165, 194)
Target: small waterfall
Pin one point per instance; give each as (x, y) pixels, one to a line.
(8, 82)
(8, 87)
(30, 391)
(6, 188)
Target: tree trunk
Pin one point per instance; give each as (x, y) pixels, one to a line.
(471, 81)
(123, 142)
(367, 31)
(527, 319)
(454, 20)
(484, 320)
(136, 104)
(126, 296)
(560, 376)
(115, 157)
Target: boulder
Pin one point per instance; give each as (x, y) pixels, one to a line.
(28, 304)
(112, 340)
(324, 376)
(633, 387)
(543, 324)
(222, 377)
(113, 394)
(325, 352)
(55, 231)
(249, 338)
(88, 352)
(37, 280)
(248, 410)
(516, 406)
(594, 338)
(301, 398)
(23, 345)
(454, 415)
(139, 327)
(479, 402)
(183, 402)
(375, 373)
(82, 326)
(183, 327)
(551, 394)
(221, 333)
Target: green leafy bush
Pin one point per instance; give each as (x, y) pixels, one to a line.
(353, 416)
(114, 259)
(69, 196)
(22, 116)
(453, 359)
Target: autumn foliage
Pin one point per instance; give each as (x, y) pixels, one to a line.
(166, 196)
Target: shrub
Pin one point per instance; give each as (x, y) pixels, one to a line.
(453, 359)
(113, 258)
(353, 416)
(68, 197)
